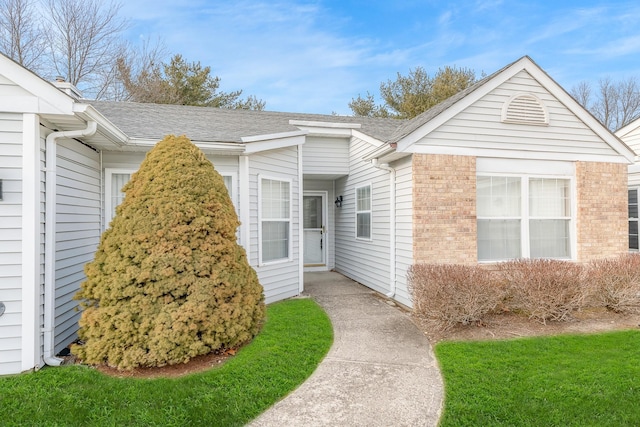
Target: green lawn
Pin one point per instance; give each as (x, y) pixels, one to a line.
(580, 380)
(296, 336)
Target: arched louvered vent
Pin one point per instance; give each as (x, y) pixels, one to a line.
(525, 109)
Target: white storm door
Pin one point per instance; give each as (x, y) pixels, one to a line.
(314, 217)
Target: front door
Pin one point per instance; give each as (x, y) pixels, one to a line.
(314, 217)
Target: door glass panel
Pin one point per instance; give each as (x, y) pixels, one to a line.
(312, 211)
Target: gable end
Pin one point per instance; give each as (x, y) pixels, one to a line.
(525, 109)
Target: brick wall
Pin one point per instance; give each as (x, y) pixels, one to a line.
(444, 209)
(602, 227)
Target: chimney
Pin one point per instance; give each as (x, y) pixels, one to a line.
(67, 87)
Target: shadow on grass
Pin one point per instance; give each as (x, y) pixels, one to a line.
(295, 338)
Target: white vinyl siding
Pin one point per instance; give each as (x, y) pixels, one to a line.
(77, 230)
(325, 156)
(365, 261)
(10, 242)
(479, 130)
(280, 280)
(404, 229)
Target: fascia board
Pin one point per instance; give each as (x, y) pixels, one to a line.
(366, 138)
(461, 105)
(51, 100)
(587, 118)
(274, 144)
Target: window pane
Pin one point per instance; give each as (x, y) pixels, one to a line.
(363, 225)
(498, 196)
(118, 180)
(633, 235)
(312, 216)
(633, 203)
(549, 198)
(227, 183)
(363, 195)
(275, 240)
(498, 239)
(275, 199)
(550, 238)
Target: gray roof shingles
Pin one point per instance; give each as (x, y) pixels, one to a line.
(154, 121)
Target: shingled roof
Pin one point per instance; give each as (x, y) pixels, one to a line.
(154, 121)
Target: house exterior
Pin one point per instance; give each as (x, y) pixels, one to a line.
(630, 134)
(511, 167)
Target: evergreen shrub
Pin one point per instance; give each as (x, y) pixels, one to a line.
(169, 281)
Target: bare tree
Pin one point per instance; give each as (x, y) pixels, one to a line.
(85, 40)
(21, 33)
(615, 104)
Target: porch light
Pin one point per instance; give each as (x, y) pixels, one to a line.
(338, 202)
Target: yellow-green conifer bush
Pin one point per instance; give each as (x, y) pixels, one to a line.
(169, 280)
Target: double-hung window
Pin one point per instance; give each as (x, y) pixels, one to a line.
(363, 212)
(633, 219)
(275, 220)
(523, 217)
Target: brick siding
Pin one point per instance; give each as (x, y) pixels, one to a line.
(444, 209)
(602, 223)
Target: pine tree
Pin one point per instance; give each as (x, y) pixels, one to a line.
(169, 281)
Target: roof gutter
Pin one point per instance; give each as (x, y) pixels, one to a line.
(50, 237)
(392, 224)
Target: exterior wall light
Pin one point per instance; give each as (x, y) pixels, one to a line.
(338, 202)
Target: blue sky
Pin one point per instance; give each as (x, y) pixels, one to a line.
(315, 56)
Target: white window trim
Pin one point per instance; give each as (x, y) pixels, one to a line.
(289, 258)
(637, 190)
(108, 184)
(370, 211)
(525, 244)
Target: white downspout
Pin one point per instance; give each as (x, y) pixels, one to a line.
(50, 237)
(392, 224)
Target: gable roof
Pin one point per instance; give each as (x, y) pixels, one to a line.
(419, 127)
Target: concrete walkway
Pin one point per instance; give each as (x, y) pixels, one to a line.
(380, 370)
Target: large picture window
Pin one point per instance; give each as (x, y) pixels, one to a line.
(523, 217)
(275, 220)
(363, 212)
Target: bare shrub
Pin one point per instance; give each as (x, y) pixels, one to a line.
(446, 295)
(615, 283)
(544, 289)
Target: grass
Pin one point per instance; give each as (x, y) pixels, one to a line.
(580, 380)
(296, 336)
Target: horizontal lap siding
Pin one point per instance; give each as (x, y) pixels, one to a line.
(280, 280)
(78, 209)
(404, 230)
(480, 126)
(326, 156)
(10, 241)
(364, 261)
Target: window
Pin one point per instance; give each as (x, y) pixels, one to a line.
(115, 179)
(275, 220)
(633, 219)
(363, 212)
(523, 217)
